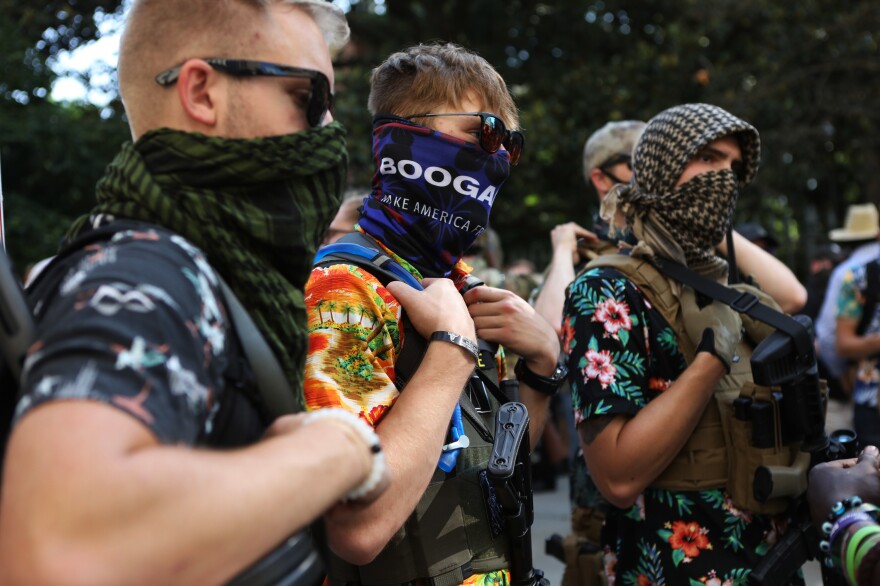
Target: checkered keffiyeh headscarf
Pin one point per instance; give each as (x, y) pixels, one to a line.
(684, 223)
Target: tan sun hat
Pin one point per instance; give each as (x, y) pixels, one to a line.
(862, 223)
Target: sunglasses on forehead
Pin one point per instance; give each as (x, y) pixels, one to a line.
(492, 133)
(320, 97)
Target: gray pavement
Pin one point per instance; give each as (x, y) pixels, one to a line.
(553, 512)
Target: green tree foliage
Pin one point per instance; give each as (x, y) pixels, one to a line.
(804, 74)
(52, 154)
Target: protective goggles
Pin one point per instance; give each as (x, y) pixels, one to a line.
(320, 97)
(492, 133)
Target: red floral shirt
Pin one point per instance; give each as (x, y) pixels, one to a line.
(621, 355)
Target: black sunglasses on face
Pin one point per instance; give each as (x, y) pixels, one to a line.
(320, 96)
(492, 135)
(613, 162)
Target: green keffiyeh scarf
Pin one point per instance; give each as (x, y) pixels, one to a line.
(256, 207)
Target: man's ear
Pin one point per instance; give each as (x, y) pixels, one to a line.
(197, 90)
(600, 181)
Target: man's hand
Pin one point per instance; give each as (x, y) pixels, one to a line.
(503, 317)
(716, 328)
(564, 239)
(438, 307)
(834, 481)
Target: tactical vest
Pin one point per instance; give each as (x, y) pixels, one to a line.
(719, 453)
(453, 531)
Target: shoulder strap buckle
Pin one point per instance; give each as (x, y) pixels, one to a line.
(744, 301)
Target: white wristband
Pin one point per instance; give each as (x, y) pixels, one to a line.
(369, 437)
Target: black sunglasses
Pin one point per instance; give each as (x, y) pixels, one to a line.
(616, 160)
(493, 133)
(613, 162)
(320, 96)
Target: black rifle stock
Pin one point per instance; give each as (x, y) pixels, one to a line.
(510, 473)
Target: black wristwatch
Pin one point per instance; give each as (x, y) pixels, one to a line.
(548, 385)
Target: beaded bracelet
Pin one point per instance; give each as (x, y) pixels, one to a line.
(369, 437)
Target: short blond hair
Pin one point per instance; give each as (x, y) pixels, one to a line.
(159, 34)
(423, 77)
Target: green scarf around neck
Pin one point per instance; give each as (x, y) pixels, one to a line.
(256, 207)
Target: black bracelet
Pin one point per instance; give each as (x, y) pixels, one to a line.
(458, 340)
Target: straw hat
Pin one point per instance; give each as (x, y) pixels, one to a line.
(862, 223)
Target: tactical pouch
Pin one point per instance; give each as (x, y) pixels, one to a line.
(584, 560)
(756, 441)
(584, 563)
(407, 557)
(447, 538)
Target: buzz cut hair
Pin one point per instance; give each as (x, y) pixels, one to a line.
(423, 77)
(159, 34)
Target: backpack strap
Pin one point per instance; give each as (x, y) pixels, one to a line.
(358, 249)
(271, 381)
(16, 321)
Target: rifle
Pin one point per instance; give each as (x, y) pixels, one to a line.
(511, 476)
(776, 362)
(785, 359)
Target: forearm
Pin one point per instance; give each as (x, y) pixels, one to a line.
(412, 434)
(537, 405)
(551, 300)
(774, 277)
(858, 347)
(634, 451)
(162, 514)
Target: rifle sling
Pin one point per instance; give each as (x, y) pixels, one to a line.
(740, 301)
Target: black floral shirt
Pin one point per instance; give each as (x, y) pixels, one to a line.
(622, 354)
(137, 323)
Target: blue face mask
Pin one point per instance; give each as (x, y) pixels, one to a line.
(432, 193)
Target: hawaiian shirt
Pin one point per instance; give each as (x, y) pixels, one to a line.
(139, 324)
(622, 354)
(355, 337)
(850, 305)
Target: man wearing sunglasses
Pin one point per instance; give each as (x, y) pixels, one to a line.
(607, 160)
(113, 473)
(444, 140)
